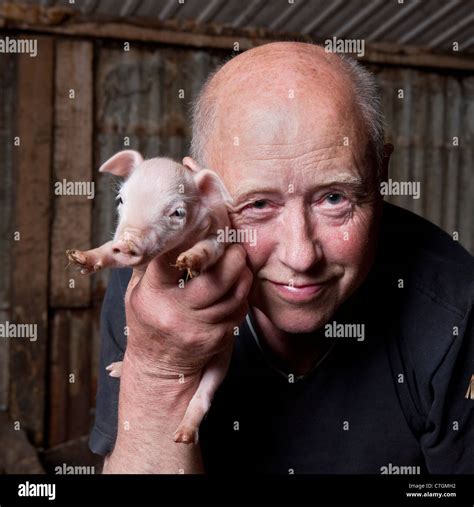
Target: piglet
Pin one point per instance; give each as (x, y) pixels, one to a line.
(162, 206)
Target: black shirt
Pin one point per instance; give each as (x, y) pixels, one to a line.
(397, 398)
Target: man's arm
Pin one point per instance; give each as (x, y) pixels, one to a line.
(150, 410)
(173, 332)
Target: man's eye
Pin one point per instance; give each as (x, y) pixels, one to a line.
(119, 199)
(335, 198)
(259, 204)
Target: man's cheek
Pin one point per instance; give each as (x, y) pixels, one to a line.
(345, 245)
(259, 249)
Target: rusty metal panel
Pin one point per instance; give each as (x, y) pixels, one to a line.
(432, 129)
(431, 24)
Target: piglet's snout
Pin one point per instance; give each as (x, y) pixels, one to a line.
(129, 243)
(125, 247)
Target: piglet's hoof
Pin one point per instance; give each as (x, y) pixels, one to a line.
(115, 369)
(191, 262)
(185, 435)
(82, 262)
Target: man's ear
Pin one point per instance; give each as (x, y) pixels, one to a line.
(122, 163)
(387, 152)
(192, 164)
(211, 188)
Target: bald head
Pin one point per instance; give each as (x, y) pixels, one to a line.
(292, 132)
(288, 83)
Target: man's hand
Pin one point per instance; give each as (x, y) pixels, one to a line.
(173, 333)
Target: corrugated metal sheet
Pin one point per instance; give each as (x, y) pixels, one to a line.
(434, 24)
(423, 125)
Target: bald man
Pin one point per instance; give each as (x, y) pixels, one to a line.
(354, 347)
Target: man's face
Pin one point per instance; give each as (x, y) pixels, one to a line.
(297, 171)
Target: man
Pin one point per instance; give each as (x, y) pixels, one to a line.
(354, 350)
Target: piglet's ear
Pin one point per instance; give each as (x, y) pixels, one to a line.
(122, 163)
(211, 188)
(192, 164)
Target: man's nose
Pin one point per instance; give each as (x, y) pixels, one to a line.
(297, 247)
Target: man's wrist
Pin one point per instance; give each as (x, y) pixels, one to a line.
(151, 407)
(154, 377)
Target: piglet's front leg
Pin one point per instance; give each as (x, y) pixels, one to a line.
(94, 260)
(201, 256)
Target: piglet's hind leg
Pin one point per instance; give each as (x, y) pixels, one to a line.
(214, 373)
(115, 369)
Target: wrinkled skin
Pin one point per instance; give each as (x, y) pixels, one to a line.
(290, 145)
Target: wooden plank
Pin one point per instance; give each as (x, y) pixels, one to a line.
(420, 115)
(4, 366)
(437, 156)
(451, 171)
(79, 374)
(58, 379)
(7, 133)
(31, 250)
(18, 456)
(95, 353)
(72, 164)
(70, 376)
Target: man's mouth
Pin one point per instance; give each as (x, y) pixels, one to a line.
(298, 292)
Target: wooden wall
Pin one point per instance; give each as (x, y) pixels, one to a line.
(132, 99)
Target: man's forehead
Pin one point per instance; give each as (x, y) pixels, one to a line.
(248, 183)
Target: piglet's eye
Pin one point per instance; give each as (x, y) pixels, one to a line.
(119, 199)
(178, 213)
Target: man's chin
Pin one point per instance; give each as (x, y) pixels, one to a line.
(298, 320)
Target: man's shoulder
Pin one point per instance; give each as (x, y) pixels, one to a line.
(430, 280)
(429, 261)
